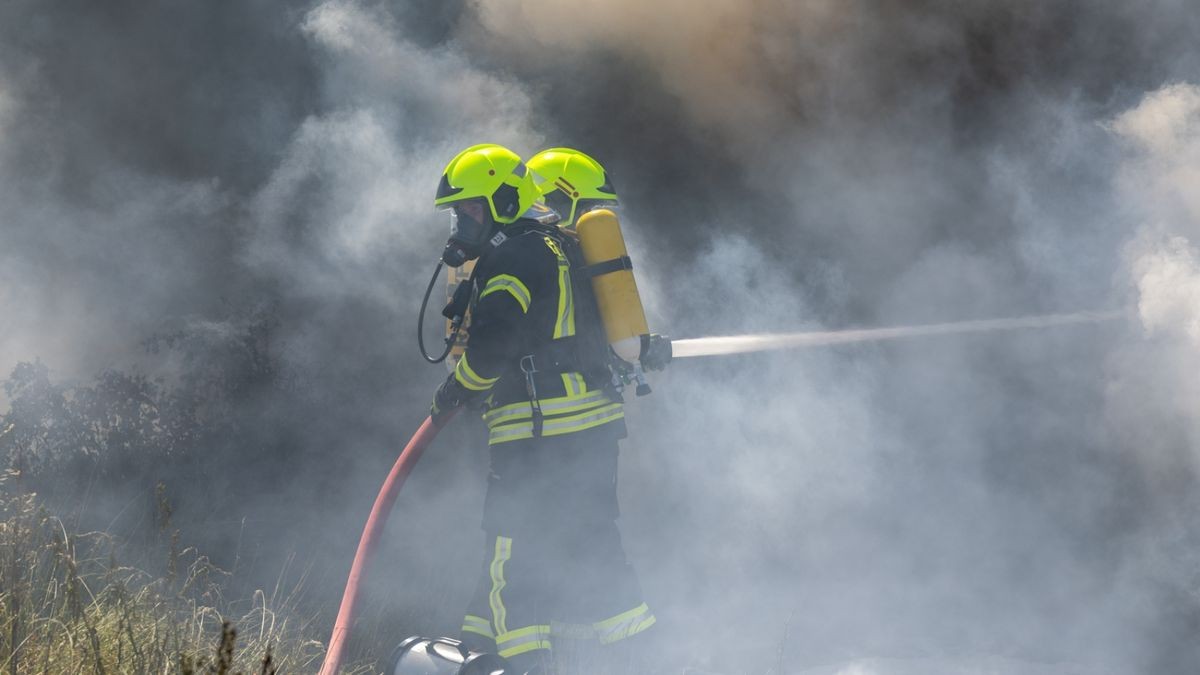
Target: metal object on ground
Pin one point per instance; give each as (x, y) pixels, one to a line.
(442, 656)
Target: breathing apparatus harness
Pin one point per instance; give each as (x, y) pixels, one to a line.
(587, 351)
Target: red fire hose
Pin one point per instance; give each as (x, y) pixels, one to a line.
(370, 537)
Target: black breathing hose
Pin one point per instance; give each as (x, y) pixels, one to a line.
(421, 322)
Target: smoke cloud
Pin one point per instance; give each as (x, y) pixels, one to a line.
(1162, 181)
(1152, 398)
(1168, 280)
(1017, 502)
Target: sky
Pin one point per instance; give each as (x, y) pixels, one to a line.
(1019, 500)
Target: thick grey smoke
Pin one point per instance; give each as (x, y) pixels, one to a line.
(1151, 401)
(1006, 503)
(913, 163)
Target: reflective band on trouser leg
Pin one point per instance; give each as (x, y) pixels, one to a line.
(515, 412)
(503, 553)
(468, 378)
(523, 640)
(478, 625)
(557, 426)
(510, 284)
(626, 624)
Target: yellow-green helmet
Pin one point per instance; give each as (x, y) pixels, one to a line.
(571, 182)
(486, 186)
(492, 172)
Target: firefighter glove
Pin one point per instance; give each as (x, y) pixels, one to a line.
(448, 398)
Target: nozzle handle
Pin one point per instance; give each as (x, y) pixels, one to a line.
(639, 375)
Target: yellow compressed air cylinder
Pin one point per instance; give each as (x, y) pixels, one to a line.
(616, 290)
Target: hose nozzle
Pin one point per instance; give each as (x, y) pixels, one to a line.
(656, 352)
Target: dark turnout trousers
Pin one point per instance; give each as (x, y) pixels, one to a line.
(553, 560)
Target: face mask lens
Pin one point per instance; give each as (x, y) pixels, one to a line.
(468, 222)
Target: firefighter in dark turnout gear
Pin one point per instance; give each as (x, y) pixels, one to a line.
(536, 360)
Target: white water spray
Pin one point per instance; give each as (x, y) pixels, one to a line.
(740, 344)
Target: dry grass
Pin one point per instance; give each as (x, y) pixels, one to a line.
(67, 606)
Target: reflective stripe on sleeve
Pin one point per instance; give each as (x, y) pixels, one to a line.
(511, 284)
(558, 426)
(477, 625)
(523, 640)
(626, 624)
(468, 378)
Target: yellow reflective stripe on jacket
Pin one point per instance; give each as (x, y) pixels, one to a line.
(523, 640)
(626, 624)
(573, 384)
(470, 379)
(564, 323)
(477, 625)
(507, 282)
(559, 425)
(503, 553)
(550, 406)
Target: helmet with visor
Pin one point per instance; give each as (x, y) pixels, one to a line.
(485, 187)
(572, 183)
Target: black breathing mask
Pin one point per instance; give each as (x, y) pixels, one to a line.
(471, 226)
(454, 255)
